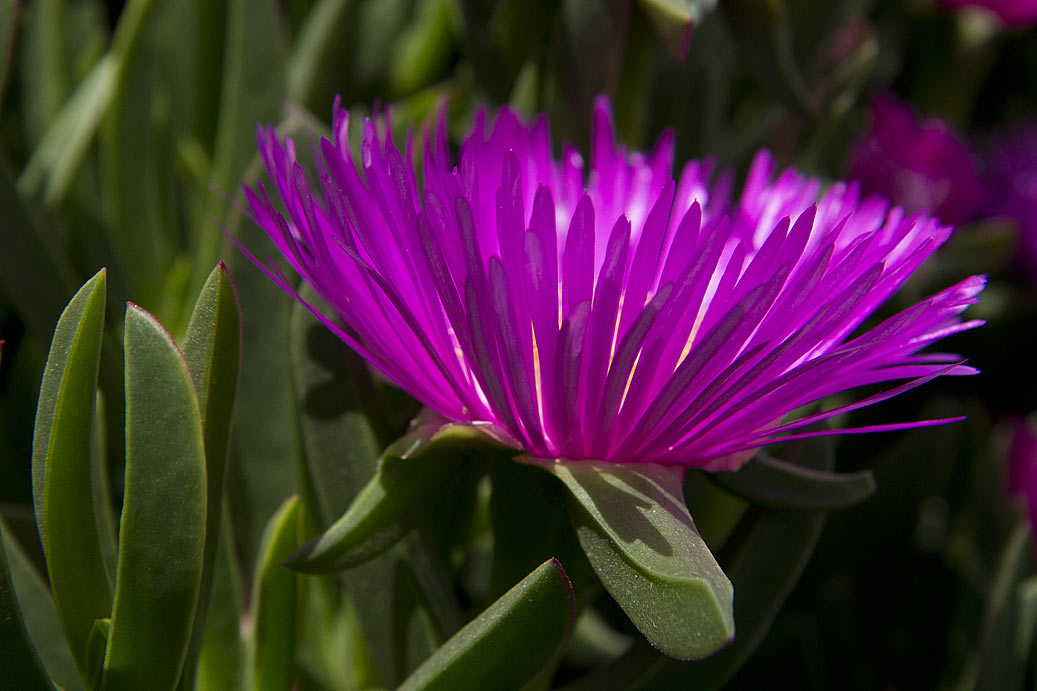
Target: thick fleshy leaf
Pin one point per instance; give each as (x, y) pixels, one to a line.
(506, 645)
(769, 481)
(530, 524)
(674, 20)
(998, 663)
(162, 531)
(96, 645)
(321, 49)
(220, 664)
(632, 523)
(340, 442)
(58, 156)
(396, 643)
(423, 50)
(39, 616)
(136, 157)
(101, 487)
(765, 569)
(212, 351)
(9, 14)
(412, 473)
(19, 665)
(273, 608)
(252, 88)
(34, 278)
(61, 468)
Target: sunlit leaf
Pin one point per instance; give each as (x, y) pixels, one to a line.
(162, 530)
(632, 523)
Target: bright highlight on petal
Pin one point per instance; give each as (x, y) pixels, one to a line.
(616, 313)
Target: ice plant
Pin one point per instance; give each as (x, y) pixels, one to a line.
(609, 311)
(922, 166)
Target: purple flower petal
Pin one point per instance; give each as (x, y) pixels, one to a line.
(688, 334)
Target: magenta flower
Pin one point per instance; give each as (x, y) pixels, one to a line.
(1011, 12)
(922, 166)
(612, 313)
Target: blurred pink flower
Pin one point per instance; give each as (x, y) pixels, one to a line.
(922, 166)
(1011, 12)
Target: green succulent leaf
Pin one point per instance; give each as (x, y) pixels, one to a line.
(39, 615)
(766, 567)
(162, 531)
(61, 468)
(768, 481)
(418, 467)
(34, 278)
(512, 640)
(274, 604)
(212, 351)
(996, 660)
(635, 528)
(19, 665)
(96, 644)
(220, 663)
(58, 156)
(340, 443)
(100, 486)
(252, 90)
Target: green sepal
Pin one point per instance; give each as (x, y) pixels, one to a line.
(274, 606)
(509, 642)
(412, 473)
(635, 528)
(61, 468)
(771, 482)
(162, 530)
(20, 666)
